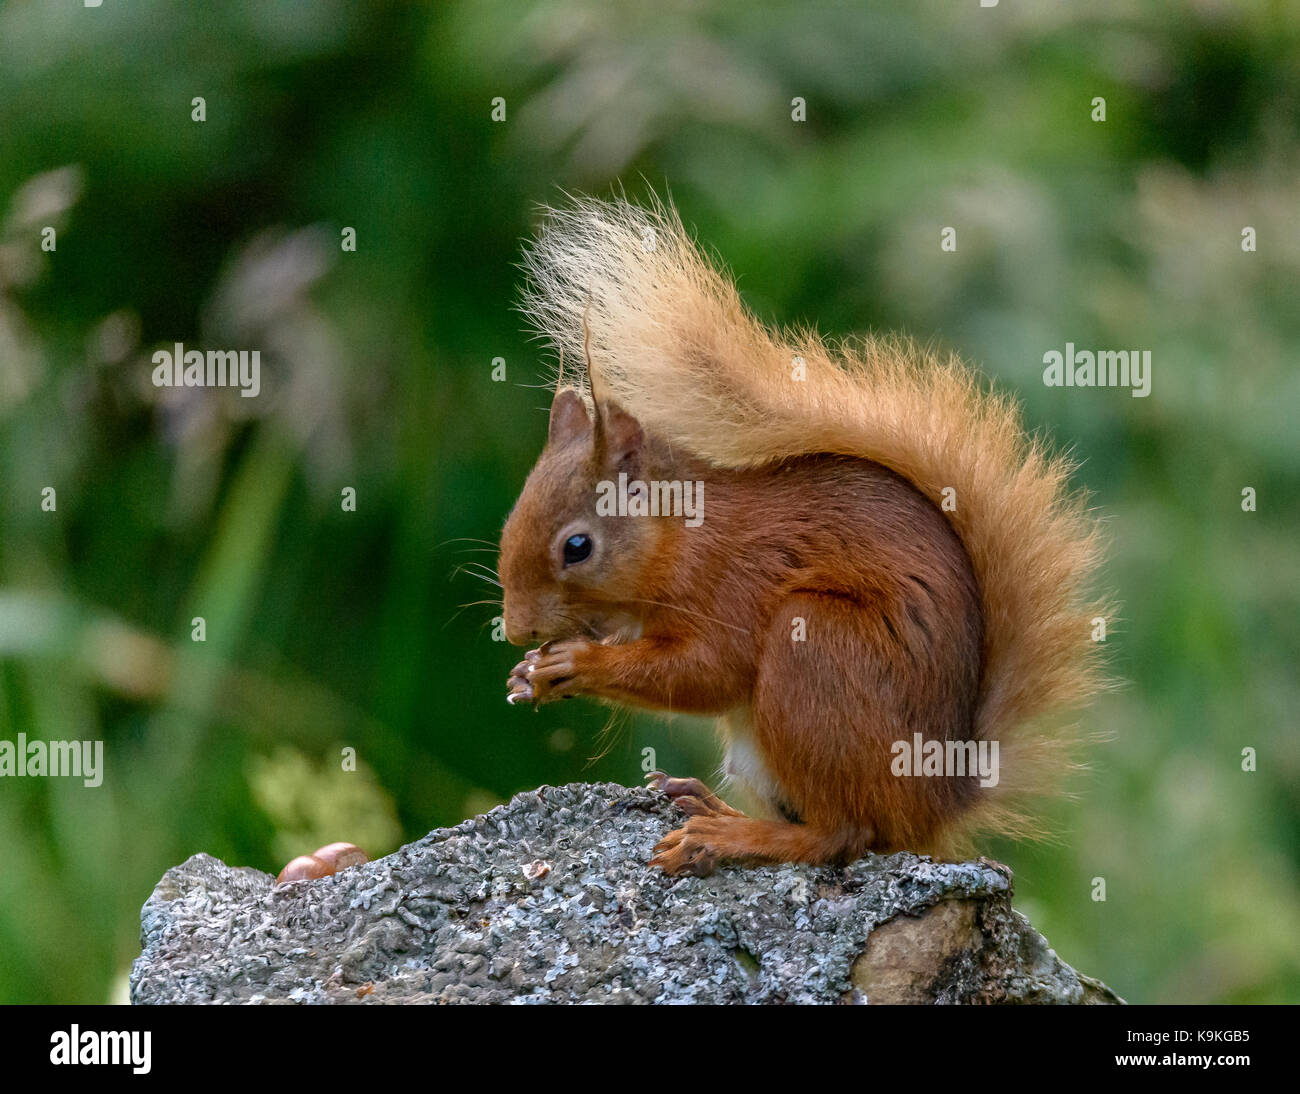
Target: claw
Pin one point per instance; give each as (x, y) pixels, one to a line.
(678, 854)
(691, 796)
(518, 691)
(669, 841)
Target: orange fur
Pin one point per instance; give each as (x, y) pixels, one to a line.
(997, 647)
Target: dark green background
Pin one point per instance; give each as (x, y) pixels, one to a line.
(327, 629)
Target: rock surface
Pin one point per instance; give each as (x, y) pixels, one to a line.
(548, 900)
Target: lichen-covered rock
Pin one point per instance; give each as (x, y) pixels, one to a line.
(548, 900)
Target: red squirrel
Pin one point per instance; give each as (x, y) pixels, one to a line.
(881, 556)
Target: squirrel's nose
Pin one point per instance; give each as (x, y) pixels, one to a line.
(518, 633)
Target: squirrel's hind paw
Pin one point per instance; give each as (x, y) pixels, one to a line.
(685, 853)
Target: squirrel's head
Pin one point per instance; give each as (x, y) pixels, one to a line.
(565, 569)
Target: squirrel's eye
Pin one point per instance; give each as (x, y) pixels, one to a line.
(577, 548)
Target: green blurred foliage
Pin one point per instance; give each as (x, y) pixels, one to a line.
(329, 630)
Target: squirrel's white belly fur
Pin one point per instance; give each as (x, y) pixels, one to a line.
(743, 764)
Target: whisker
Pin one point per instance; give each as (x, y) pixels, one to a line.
(619, 720)
(689, 611)
(464, 568)
(472, 604)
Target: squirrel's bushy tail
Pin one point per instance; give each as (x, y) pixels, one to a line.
(671, 342)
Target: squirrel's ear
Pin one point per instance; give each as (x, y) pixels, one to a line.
(569, 418)
(623, 434)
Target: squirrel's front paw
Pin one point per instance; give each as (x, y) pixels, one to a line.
(551, 672)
